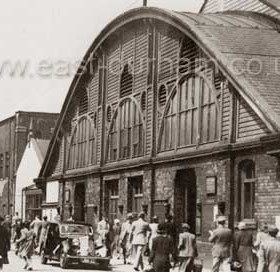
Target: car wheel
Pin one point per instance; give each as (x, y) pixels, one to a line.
(44, 260)
(63, 260)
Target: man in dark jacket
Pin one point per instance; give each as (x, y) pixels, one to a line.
(162, 248)
(221, 237)
(5, 242)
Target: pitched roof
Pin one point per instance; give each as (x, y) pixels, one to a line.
(273, 3)
(41, 148)
(233, 39)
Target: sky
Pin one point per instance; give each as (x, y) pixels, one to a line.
(43, 41)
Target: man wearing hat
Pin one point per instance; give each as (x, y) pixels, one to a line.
(125, 238)
(269, 253)
(221, 238)
(140, 229)
(243, 247)
(162, 248)
(187, 249)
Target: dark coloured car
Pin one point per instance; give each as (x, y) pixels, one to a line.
(72, 242)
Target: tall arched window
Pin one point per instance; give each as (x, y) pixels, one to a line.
(246, 174)
(191, 116)
(82, 150)
(126, 135)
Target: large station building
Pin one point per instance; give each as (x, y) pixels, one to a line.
(173, 112)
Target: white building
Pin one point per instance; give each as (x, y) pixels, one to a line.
(27, 196)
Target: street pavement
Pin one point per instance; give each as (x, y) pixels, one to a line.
(17, 264)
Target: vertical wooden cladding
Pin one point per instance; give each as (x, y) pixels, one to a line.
(168, 53)
(130, 47)
(99, 133)
(226, 109)
(141, 59)
(59, 156)
(248, 123)
(93, 90)
(114, 70)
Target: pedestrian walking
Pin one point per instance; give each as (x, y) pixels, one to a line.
(5, 244)
(36, 225)
(187, 249)
(27, 245)
(7, 224)
(221, 238)
(162, 248)
(116, 231)
(43, 232)
(103, 228)
(126, 239)
(243, 248)
(140, 229)
(171, 228)
(269, 253)
(153, 233)
(262, 236)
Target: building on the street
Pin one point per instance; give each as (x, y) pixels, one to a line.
(173, 112)
(28, 198)
(13, 139)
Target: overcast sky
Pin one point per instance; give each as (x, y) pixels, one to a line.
(40, 37)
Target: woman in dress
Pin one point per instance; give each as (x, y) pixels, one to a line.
(27, 244)
(162, 248)
(243, 248)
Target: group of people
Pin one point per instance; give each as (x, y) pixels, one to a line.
(157, 241)
(239, 248)
(27, 236)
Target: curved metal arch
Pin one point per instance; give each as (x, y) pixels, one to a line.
(80, 119)
(174, 91)
(114, 117)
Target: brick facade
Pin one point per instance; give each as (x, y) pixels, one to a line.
(13, 139)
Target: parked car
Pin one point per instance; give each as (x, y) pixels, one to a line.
(72, 242)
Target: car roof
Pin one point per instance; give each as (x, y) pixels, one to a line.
(71, 223)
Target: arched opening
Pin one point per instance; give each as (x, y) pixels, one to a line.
(79, 202)
(246, 196)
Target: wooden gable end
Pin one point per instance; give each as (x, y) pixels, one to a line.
(248, 123)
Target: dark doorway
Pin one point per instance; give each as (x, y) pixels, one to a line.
(80, 195)
(185, 198)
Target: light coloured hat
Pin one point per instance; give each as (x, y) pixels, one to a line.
(117, 221)
(185, 226)
(129, 216)
(242, 225)
(221, 219)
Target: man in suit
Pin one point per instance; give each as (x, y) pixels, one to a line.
(140, 229)
(162, 248)
(187, 249)
(221, 237)
(269, 253)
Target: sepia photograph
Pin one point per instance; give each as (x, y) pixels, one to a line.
(140, 135)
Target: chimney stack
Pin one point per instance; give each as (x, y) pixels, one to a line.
(145, 3)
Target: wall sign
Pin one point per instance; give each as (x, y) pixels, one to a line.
(211, 186)
(52, 192)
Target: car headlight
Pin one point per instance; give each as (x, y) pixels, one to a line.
(75, 242)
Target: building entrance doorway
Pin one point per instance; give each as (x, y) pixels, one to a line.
(79, 202)
(185, 195)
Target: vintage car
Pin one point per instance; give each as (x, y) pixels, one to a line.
(73, 242)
